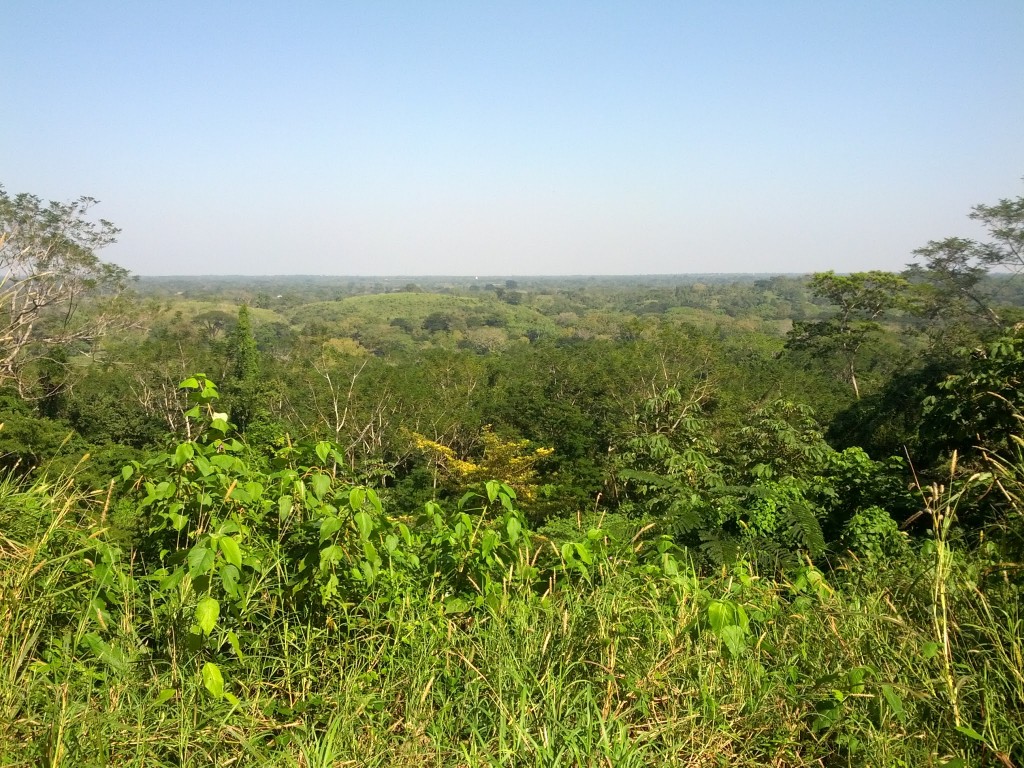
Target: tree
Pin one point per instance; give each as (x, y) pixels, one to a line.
(50, 267)
(245, 357)
(246, 391)
(979, 406)
(949, 281)
(436, 322)
(510, 461)
(954, 267)
(861, 299)
(1005, 224)
(214, 323)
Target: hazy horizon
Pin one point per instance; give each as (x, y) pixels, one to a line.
(441, 276)
(456, 138)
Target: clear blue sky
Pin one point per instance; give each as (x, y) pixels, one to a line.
(516, 137)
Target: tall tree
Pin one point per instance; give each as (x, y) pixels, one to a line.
(244, 355)
(50, 267)
(954, 267)
(861, 299)
(245, 389)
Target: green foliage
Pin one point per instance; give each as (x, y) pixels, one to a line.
(980, 403)
(246, 390)
(242, 351)
(861, 300)
(490, 646)
(953, 269)
(694, 575)
(27, 440)
(873, 534)
(778, 491)
(48, 257)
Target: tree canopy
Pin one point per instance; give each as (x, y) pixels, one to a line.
(48, 256)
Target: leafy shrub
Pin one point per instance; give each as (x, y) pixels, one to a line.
(873, 534)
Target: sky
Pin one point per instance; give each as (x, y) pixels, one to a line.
(516, 138)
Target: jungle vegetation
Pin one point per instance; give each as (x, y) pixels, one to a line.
(689, 520)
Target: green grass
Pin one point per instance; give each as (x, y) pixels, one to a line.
(627, 670)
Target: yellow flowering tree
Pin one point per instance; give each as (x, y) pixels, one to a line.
(512, 462)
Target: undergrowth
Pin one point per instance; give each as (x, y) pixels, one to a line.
(283, 616)
(632, 665)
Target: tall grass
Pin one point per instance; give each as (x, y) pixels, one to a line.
(908, 662)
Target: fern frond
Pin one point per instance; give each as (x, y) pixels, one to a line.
(805, 528)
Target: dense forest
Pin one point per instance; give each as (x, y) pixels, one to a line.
(689, 520)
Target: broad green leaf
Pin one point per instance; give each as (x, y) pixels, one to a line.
(403, 529)
(456, 605)
(356, 497)
(284, 507)
(493, 486)
(374, 500)
(669, 565)
(719, 615)
(329, 527)
(734, 639)
(370, 553)
(213, 680)
(321, 483)
(330, 555)
(365, 525)
(171, 580)
(231, 551)
(127, 471)
(855, 677)
(323, 450)
(183, 454)
(200, 560)
(240, 495)
(207, 612)
(224, 462)
(513, 527)
(741, 619)
(166, 694)
(229, 578)
(583, 553)
(488, 542)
